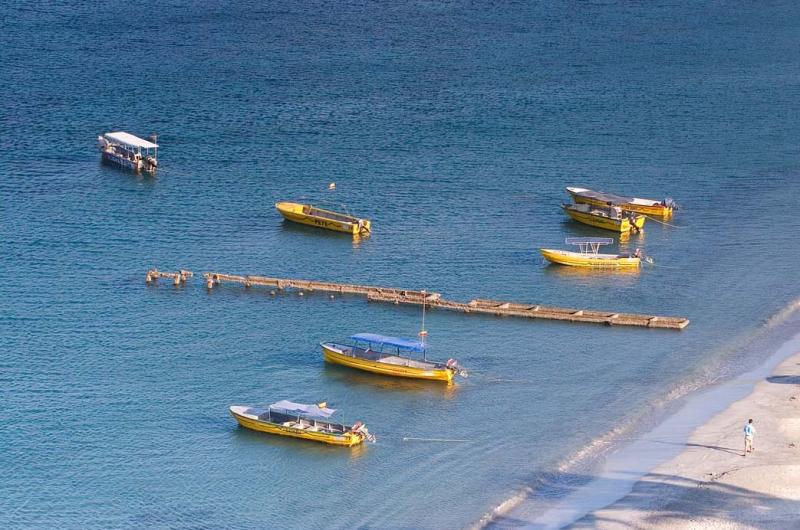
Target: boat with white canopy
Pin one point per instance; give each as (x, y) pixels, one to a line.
(129, 151)
(589, 254)
(632, 204)
(299, 420)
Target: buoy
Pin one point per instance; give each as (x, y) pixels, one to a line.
(301, 293)
(332, 297)
(332, 186)
(272, 293)
(177, 280)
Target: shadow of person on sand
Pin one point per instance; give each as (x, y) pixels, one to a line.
(784, 379)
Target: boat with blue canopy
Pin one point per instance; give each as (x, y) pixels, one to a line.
(382, 354)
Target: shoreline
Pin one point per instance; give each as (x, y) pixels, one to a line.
(630, 465)
(711, 484)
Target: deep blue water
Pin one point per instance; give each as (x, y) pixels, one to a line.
(454, 126)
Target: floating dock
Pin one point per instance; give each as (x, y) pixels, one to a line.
(435, 300)
(514, 309)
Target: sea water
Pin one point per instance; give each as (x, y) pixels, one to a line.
(454, 127)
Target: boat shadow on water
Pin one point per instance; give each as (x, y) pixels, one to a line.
(111, 170)
(581, 230)
(592, 272)
(349, 376)
(329, 235)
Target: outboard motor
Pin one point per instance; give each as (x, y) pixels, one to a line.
(453, 365)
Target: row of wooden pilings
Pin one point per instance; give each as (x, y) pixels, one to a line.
(434, 300)
(153, 275)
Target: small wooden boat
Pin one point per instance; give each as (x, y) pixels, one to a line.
(310, 215)
(298, 420)
(631, 204)
(608, 218)
(388, 356)
(589, 254)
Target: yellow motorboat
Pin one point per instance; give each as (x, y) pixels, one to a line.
(608, 218)
(388, 356)
(589, 254)
(311, 215)
(299, 420)
(632, 204)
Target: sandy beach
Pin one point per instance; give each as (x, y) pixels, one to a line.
(711, 484)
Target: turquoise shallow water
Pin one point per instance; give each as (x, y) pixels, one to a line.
(454, 127)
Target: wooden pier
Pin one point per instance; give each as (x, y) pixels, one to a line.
(216, 278)
(434, 300)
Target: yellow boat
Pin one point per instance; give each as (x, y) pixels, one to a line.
(298, 420)
(631, 204)
(383, 355)
(310, 215)
(608, 218)
(589, 255)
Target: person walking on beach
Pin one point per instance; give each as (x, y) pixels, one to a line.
(749, 432)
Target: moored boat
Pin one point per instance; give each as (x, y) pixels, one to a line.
(311, 215)
(589, 254)
(129, 151)
(608, 218)
(632, 204)
(390, 356)
(298, 420)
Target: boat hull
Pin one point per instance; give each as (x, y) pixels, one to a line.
(122, 161)
(346, 439)
(575, 259)
(294, 212)
(616, 225)
(333, 356)
(656, 210)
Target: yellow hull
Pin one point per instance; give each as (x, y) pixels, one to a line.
(657, 210)
(617, 225)
(575, 259)
(376, 367)
(296, 213)
(346, 439)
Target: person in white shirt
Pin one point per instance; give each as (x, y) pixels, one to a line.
(749, 433)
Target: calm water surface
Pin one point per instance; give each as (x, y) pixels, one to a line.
(454, 126)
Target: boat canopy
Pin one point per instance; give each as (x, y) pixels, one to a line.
(300, 408)
(601, 196)
(589, 240)
(397, 342)
(131, 140)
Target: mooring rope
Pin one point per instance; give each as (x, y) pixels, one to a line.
(409, 439)
(663, 223)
